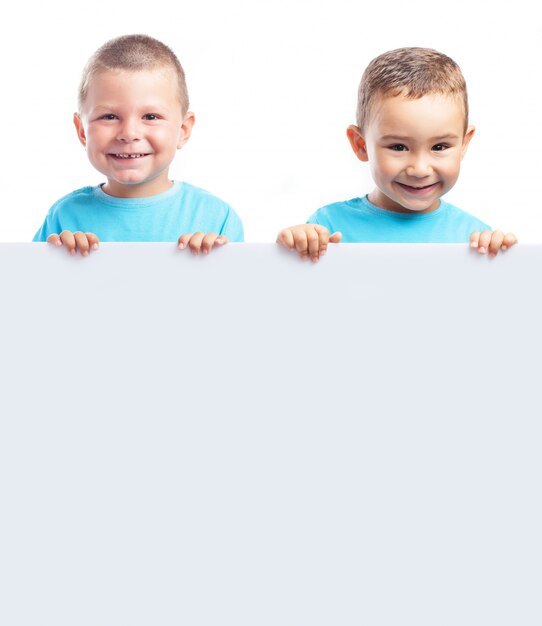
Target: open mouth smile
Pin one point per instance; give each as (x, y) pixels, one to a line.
(417, 190)
(135, 155)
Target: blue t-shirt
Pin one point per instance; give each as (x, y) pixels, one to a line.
(164, 217)
(361, 221)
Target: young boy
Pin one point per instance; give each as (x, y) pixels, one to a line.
(412, 128)
(133, 116)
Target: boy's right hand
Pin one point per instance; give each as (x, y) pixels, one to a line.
(84, 242)
(310, 240)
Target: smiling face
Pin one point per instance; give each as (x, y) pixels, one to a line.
(414, 148)
(131, 125)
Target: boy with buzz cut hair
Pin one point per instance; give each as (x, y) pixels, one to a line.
(133, 116)
(412, 128)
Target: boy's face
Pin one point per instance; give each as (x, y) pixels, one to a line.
(414, 148)
(132, 125)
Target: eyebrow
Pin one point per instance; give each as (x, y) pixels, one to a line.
(401, 138)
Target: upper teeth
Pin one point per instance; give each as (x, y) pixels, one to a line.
(128, 156)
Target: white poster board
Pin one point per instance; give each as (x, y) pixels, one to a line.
(248, 439)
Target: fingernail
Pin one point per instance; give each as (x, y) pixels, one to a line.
(473, 244)
(72, 252)
(205, 251)
(505, 247)
(85, 253)
(322, 252)
(314, 259)
(94, 246)
(482, 250)
(58, 243)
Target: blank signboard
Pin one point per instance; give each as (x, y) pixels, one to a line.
(248, 439)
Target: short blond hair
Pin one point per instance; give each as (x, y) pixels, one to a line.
(133, 52)
(413, 73)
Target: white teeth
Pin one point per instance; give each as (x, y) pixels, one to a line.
(129, 156)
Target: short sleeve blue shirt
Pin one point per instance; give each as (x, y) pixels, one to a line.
(361, 221)
(164, 217)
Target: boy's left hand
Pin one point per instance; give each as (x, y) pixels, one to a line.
(199, 241)
(491, 241)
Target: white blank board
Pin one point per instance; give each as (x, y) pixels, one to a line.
(248, 439)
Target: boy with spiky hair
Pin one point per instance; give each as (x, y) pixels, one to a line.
(133, 116)
(412, 128)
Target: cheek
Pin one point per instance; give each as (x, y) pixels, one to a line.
(451, 169)
(164, 137)
(383, 167)
(95, 138)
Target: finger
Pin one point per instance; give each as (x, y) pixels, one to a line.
(183, 241)
(81, 242)
(313, 242)
(334, 238)
(286, 238)
(221, 240)
(300, 243)
(208, 242)
(474, 239)
(483, 241)
(195, 242)
(509, 240)
(93, 241)
(55, 240)
(496, 242)
(68, 240)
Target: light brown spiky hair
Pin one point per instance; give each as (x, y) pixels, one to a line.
(133, 52)
(413, 73)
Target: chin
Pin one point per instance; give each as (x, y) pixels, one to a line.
(419, 207)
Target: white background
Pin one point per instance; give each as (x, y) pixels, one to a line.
(273, 85)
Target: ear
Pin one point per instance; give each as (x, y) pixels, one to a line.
(80, 128)
(466, 140)
(186, 129)
(357, 142)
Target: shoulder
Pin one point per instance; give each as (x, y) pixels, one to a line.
(330, 211)
(455, 214)
(205, 211)
(73, 199)
(196, 195)
(196, 200)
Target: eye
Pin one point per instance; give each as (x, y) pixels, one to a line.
(108, 116)
(439, 147)
(151, 116)
(398, 147)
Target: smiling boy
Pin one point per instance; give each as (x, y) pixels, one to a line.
(412, 128)
(133, 117)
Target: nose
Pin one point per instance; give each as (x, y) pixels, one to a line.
(419, 166)
(129, 130)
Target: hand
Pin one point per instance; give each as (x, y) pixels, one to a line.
(310, 240)
(84, 242)
(491, 241)
(201, 242)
